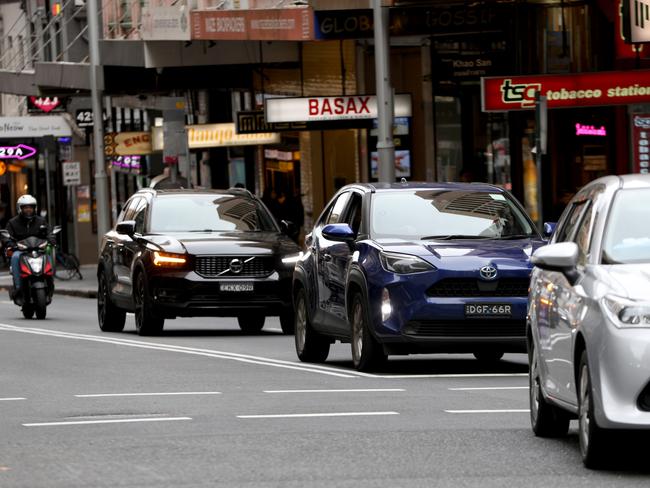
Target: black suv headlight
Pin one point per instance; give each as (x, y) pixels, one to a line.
(404, 263)
(290, 260)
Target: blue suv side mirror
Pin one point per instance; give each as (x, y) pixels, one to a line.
(549, 228)
(338, 232)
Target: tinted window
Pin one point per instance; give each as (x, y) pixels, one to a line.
(197, 213)
(139, 215)
(439, 213)
(568, 224)
(336, 215)
(353, 218)
(627, 233)
(583, 235)
(128, 210)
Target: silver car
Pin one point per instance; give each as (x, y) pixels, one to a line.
(589, 317)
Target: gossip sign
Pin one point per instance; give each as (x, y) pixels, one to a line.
(500, 94)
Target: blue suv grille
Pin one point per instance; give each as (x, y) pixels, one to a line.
(466, 328)
(217, 266)
(470, 287)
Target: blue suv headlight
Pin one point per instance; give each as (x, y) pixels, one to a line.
(404, 263)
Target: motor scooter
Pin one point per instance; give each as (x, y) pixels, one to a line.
(36, 274)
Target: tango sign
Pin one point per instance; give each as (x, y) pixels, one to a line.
(500, 94)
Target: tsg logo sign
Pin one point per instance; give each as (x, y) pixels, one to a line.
(521, 94)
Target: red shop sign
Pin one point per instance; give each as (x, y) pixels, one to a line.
(294, 24)
(641, 143)
(504, 93)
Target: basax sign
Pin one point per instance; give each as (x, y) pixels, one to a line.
(311, 109)
(501, 94)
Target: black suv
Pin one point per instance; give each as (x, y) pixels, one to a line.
(185, 253)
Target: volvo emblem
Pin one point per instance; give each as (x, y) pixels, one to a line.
(236, 266)
(488, 272)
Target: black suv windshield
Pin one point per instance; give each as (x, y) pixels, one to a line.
(447, 214)
(208, 213)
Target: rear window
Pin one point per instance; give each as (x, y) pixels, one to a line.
(209, 213)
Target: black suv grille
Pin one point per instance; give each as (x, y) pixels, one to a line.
(217, 266)
(470, 287)
(466, 328)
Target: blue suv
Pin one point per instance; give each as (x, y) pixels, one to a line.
(415, 268)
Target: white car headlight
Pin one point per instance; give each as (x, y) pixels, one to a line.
(292, 259)
(626, 313)
(404, 263)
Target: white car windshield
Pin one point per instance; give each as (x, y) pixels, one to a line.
(208, 213)
(447, 214)
(627, 234)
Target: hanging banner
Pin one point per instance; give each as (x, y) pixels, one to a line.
(127, 143)
(216, 135)
(280, 24)
(505, 93)
(309, 109)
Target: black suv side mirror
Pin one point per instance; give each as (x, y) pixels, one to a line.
(126, 227)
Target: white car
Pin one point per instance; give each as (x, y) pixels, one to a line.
(589, 317)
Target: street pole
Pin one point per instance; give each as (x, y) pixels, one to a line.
(101, 178)
(540, 146)
(385, 104)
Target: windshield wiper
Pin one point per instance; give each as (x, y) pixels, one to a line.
(516, 236)
(452, 236)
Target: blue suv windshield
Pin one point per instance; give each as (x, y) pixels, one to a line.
(208, 213)
(445, 214)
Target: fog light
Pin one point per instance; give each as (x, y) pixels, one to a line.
(386, 307)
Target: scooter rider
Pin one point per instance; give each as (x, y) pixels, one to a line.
(25, 224)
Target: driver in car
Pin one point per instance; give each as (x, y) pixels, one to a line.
(25, 224)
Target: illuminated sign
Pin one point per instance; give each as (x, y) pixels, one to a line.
(590, 130)
(45, 104)
(216, 135)
(307, 109)
(128, 164)
(21, 151)
(641, 143)
(501, 94)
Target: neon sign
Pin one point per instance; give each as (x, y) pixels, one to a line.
(21, 151)
(590, 130)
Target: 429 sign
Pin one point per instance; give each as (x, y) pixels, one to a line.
(84, 117)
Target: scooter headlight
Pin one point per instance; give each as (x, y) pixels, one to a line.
(35, 264)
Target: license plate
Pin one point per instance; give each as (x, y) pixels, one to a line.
(488, 310)
(236, 287)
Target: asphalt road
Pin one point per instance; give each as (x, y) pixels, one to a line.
(203, 405)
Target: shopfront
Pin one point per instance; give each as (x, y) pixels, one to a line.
(591, 128)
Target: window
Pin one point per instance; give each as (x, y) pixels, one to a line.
(353, 218)
(627, 232)
(127, 211)
(568, 223)
(443, 213)
(209, 213)
(139, 216)
(583, 235)
(336, 215)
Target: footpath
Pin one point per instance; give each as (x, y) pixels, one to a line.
(86, 288)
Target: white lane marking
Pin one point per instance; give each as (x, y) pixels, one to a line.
(101, 395)
(11, 399)
(186, 350)
(302, 415)
(359, 390)
(111, 421)
(490, 411)
(457, 375)
(490, 388)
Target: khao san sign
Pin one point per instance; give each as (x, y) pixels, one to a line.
(504, 93)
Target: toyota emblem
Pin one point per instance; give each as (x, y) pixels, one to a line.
(488, 272)
(236, 266)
